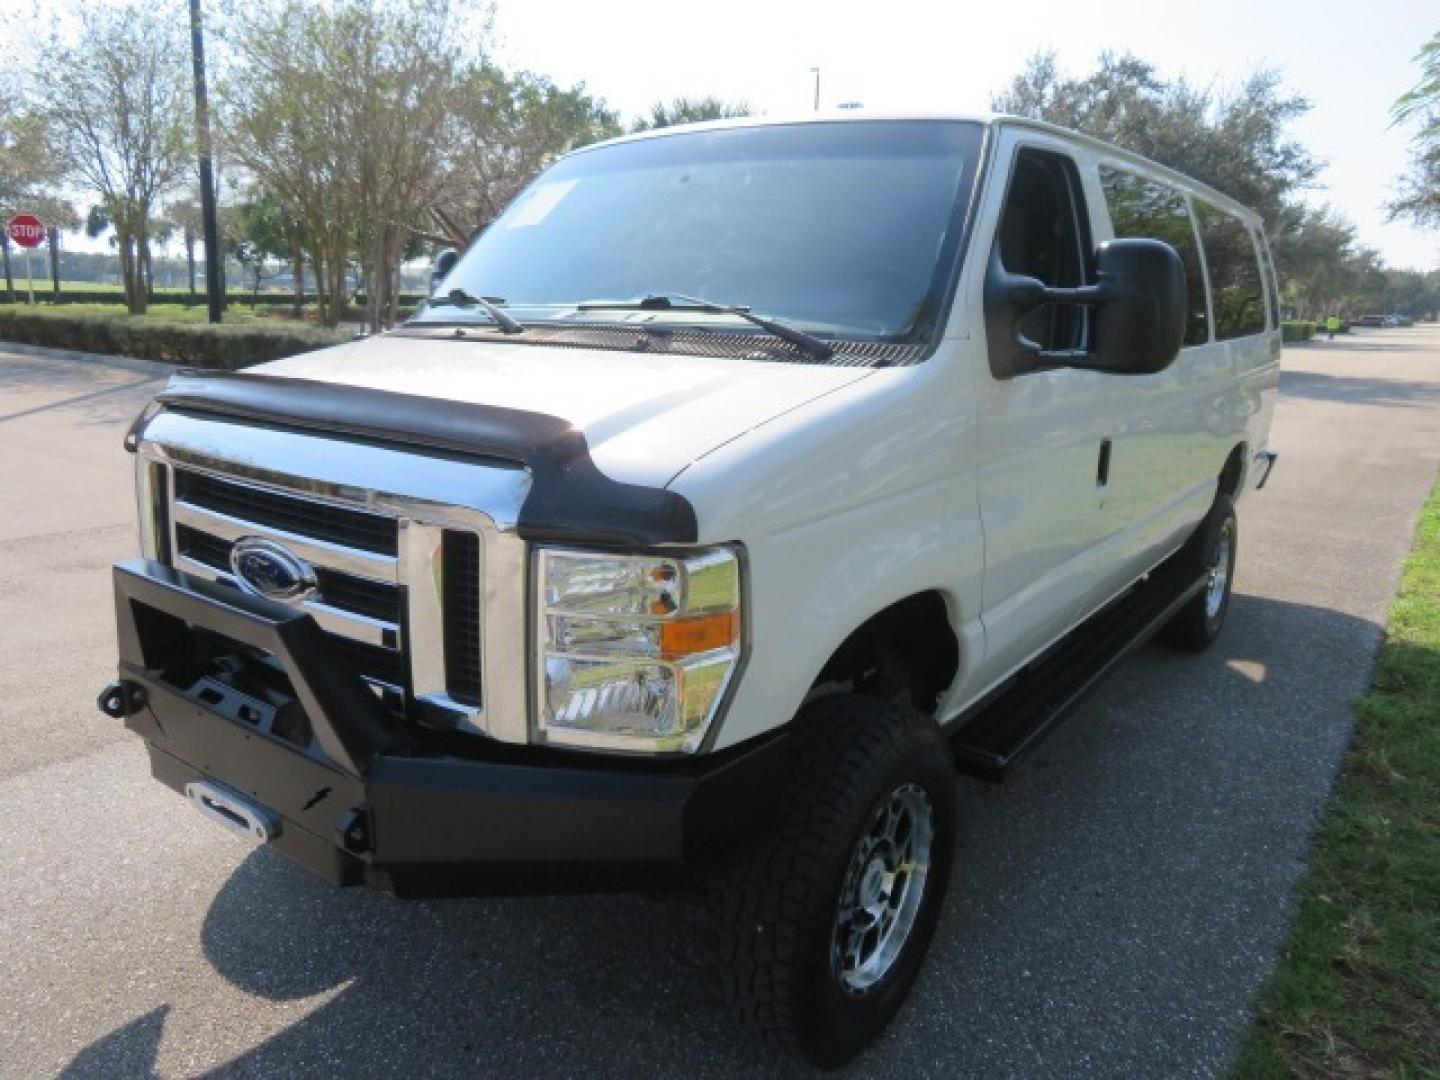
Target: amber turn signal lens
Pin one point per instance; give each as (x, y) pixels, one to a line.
(685, 637)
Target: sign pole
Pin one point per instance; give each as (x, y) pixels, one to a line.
(5, 254)
(29, 281)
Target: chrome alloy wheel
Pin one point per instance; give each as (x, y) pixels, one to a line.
(1219, 579)
(883, 889)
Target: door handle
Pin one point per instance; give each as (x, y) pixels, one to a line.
(1102, 467)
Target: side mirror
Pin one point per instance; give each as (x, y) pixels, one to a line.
(1139, 297)
(445, 261)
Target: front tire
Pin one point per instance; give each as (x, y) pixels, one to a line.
(822, 929)
(1195, 626)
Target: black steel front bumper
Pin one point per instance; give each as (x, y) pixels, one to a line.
(363, 796)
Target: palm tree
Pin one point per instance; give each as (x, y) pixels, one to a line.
(184, 216)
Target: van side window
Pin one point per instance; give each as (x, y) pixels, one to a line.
(1147, 209)
(1272, 289)
(1044, 233)
(1235, 281)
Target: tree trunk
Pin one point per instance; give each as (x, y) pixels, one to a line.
(145, 267)
(322, 304)
(220, 261)
(374, 278)
(190, 258)
(5, 257)
(297, 272)
(392, 309)
(337, 283)
(130, 273)
(122, 250)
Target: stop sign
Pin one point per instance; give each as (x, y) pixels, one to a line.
(27, 230)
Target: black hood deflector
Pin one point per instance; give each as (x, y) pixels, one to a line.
(570, 500)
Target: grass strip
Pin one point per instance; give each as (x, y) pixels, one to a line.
(1357, 992)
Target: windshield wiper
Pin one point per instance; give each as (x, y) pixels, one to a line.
(460, 298)
(666, 302)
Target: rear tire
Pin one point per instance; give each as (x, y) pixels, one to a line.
(822, 928)
(1211, 552)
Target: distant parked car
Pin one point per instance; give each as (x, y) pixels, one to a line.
(1396, 319)
(1371, 320)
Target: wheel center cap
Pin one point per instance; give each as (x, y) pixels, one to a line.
(872, 883)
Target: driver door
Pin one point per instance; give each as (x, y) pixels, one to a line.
(1044, 436)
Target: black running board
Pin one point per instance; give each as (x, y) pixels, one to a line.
(1012, 721)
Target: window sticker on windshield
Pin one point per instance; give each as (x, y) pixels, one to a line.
(538, 204)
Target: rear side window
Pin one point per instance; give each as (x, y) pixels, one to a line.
(1146, 209)
(1235, 281)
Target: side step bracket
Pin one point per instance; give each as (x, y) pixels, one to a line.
(1009, 723)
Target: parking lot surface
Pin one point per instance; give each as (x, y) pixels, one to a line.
(1117, 904)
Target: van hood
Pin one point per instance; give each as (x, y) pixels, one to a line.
(645, 416)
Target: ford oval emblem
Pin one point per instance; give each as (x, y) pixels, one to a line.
(266, 569)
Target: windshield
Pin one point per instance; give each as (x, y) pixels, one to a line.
(847, 229)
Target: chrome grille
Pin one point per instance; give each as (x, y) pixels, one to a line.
(414, 621)
(358, 600)
(322, 521)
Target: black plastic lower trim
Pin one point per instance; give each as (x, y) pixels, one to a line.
(1004, 727)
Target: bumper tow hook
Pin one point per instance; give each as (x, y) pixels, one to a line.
(353, 832)
(121, 699)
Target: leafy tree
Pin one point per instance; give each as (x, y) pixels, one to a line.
(1418, 196)
(342, 113)
(1422, 100)
(27, 169)
(1411, 292)
(1236, 141)
(504, 129)
(29, 173)
(116, 100)
(183, 216)
(683, 110)
(262, 228)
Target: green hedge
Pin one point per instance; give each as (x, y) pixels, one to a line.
(1297, 331)
(114, 296)
(193, 344)
(179, 296)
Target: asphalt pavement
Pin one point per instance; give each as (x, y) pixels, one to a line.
(1117, 905)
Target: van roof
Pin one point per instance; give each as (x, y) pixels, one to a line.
(989, 119)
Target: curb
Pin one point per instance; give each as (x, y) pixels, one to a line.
(128, 363)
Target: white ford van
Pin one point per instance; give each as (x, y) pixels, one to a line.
(741, 483)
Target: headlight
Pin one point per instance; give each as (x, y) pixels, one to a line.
(635, 651)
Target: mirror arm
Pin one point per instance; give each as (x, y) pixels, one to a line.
(1026, 294)
(1064, 357)
(1030, 294)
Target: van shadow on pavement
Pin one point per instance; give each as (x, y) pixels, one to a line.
(1380, 390)
(1117, 904)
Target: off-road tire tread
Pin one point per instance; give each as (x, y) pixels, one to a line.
(1189, 629)
(838, 742)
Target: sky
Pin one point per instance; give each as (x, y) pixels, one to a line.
(1351, 60)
